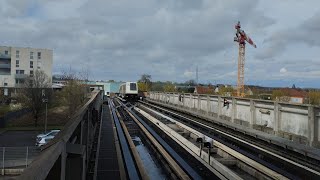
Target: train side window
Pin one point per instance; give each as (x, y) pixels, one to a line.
(133, 86)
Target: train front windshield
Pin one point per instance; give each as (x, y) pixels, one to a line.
(133, 86)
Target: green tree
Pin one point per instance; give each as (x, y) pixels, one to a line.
(314, 98)
(277, 94)
(225, 90)
(142, 86)
(74, 94)
(157, 86)
(146, 79)
(169, 87)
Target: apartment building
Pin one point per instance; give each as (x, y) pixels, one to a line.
(17, 63)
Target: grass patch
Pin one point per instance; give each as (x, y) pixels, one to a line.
(57, 117)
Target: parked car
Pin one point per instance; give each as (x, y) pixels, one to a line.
(43, 139)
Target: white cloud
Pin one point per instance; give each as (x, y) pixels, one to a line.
(121, 40)
(283, 70)
(189, 74)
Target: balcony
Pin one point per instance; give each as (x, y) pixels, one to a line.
(5, 56)
(21, 76)
(20, 85)
(7, 66)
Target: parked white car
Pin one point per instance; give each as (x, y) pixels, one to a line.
(43, 139)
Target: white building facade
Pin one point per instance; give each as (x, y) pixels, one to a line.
(17, 63)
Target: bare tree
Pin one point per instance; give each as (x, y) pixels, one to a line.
(146, 80)
(191, 82)
(33, 91)
(75, 93)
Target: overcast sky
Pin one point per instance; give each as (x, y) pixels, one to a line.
(122, 39)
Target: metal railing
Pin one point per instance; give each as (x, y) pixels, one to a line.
(21, 76)
(14, 159)
(75, 138)
(8, 66)
(5, 56)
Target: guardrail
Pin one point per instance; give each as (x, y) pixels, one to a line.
(14, 159)
(300, 123)
(66, 156)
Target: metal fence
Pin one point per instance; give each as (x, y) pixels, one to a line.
(14, 159)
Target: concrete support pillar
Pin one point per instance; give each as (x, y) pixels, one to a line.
(316, 142)
(312, 126)
(74, 167)
(208, 104)
(191, 101)
(88, 131)
(252, 113)
(82, 131)
(199, 103)
(234, 109)
(183, 101)
(84, 167)
(219, 106)
(277, 117)
(63, 164)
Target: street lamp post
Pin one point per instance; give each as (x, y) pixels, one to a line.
(45, 100)
(45, 123)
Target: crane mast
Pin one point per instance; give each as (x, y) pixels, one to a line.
(241, 38)
(241, 61)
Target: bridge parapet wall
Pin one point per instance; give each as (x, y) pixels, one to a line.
(67, 155)
(296, 122)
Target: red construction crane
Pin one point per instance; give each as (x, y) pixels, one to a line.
(241, 38)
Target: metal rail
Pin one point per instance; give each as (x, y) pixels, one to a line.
(232, 140)
(187, 169)
(126, 152)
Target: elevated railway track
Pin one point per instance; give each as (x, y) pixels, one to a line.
(282, 161)
(115, 139)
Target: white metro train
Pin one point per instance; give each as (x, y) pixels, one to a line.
(129, 90)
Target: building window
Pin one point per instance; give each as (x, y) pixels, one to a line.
(19, 71)
(39, 55)
(31, 55)
(17, 63)
(5, 84)
(39, 64)
(17, 54)
(31, 64)
(6, 52)
(31, 73)
(19, 81)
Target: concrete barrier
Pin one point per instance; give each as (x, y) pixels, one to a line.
(299, 123)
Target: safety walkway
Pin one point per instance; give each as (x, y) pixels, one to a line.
(107, 167)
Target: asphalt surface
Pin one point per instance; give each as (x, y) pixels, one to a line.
(18, 138)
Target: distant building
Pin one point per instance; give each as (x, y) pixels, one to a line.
(293, 95)
(108, 87)
(204, 90)
(17, 63)
(248, 91)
